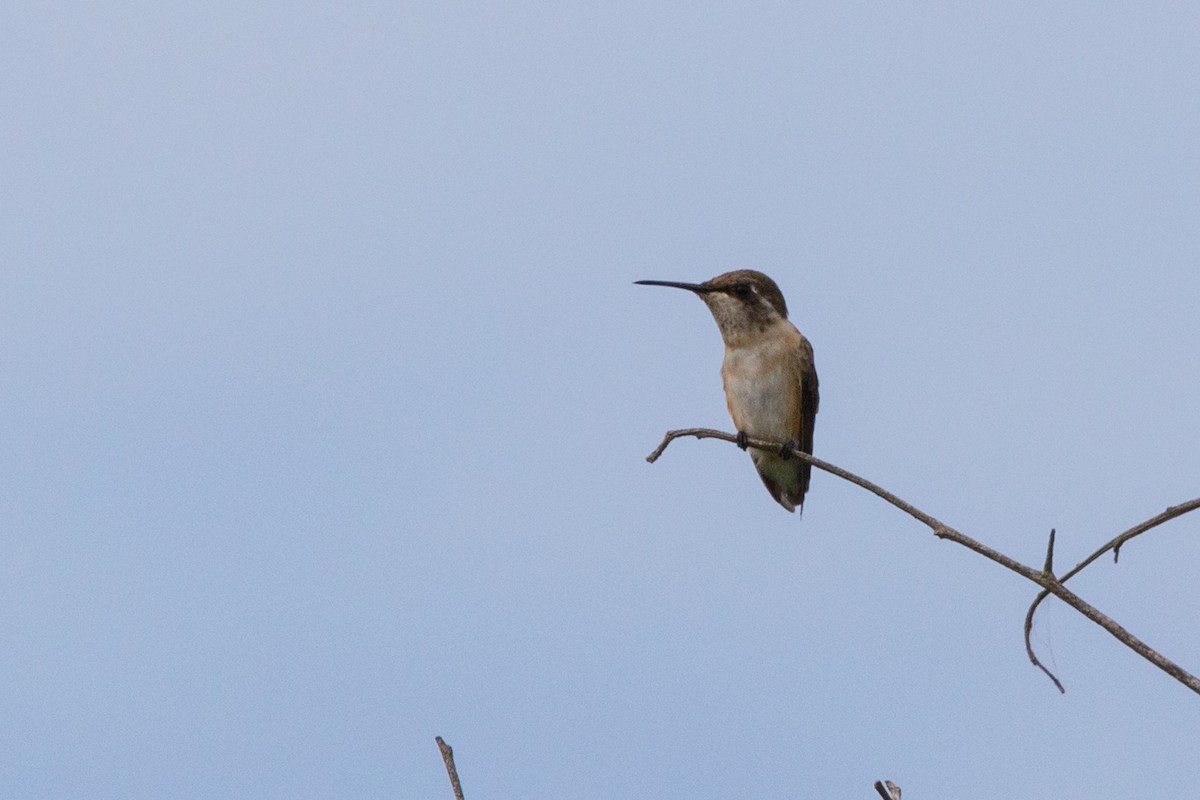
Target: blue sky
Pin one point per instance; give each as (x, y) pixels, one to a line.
(328, 392)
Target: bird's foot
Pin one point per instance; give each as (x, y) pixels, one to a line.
(743, 439)
(787, 449)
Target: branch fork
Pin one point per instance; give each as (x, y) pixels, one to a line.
(1045, 577)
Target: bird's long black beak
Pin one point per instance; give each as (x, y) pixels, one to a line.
(698, 288)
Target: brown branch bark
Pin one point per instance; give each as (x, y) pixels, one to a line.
(1043, 577)
(892, 792)
(1115, 546)
(448, 757)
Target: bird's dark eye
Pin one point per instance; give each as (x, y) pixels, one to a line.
(743, 290)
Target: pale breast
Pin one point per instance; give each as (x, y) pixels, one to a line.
(762, 383)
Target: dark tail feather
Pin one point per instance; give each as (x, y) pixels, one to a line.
(791, 500)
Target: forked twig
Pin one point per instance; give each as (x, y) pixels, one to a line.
(1114, 545)
(1044, 577)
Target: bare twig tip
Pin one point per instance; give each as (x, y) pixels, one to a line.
(448, 758)
(891, 793)
(1049, 567)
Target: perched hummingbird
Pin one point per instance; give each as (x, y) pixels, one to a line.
(770, 381)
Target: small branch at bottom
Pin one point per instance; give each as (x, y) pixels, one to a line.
(448, 757)
(891, 793)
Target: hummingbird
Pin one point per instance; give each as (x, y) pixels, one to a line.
(768, 374)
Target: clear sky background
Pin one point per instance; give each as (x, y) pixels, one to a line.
(326, 393)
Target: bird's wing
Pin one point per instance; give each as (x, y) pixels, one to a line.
(810, 396)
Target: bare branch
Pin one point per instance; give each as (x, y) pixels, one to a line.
(448, 757)
(891, 793)
(1114, 545)
(1049, 566)
(1044, 578)
(766, 444)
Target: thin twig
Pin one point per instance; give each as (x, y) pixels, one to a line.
(1049, 567)
(448, 757)
(1114, 545)
(1049, 583)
